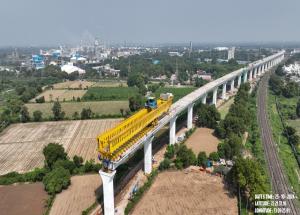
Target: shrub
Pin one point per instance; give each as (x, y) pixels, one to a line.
(57, 180)
(77, 160)
(37, 116)
(165, 164)
(66, 164)
(170, 152)
(202, 159)
(214, 156)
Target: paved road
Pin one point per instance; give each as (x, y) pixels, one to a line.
(279, 181)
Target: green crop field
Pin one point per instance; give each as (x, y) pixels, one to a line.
(123, 93)
(98, 107)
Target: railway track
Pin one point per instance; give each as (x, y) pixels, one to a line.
(280, 184)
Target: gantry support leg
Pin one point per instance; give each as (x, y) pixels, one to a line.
(148, 156)
(108, 191)
(173, 131)
(190, 116)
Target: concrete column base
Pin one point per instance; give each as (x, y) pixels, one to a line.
(108, 191)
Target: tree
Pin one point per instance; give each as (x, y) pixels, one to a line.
(75, 115)
(86, 113)
(291, 89)
(298, 108)
(289, 131)
(37, 116)
(52, 153)
(185, 156)
(248, 175)
(208, 116)
(202, 159)
(66, 164)
(224, 150)
(199, 82)
(214, 156)
(40, 99)
(58, 114)
(24, 114)
(57, 180)
(135, 102)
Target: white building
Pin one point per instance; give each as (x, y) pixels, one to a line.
(70, 68)
(231, 53)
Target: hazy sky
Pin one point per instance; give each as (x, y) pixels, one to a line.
(52, 22)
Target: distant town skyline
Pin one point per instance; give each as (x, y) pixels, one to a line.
(33, 22)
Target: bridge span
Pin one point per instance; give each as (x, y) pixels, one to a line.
(232, 80)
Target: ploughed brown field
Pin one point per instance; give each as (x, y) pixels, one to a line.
(21, 145)
(23, 199)
(186, 193)
(81, 194)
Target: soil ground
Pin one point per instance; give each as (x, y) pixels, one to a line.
(203, 140)
(21, 144)
(23, 199)
(186, 193)
(60, 95)
(81, 194)
(73, 85)
(98, 107)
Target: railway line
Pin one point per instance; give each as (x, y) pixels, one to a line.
(280, 184)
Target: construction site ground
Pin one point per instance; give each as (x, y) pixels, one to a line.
(23, 199)
(203, 140)
(187, 192)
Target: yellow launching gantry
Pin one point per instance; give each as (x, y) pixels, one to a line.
(114, 143)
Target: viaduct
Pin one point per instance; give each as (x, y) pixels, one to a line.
(228, 82)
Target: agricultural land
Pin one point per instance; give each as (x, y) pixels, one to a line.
(23, 199)
(21, 145)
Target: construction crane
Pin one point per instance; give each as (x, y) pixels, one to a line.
(113, 143)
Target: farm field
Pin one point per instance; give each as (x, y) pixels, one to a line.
(73, 85)
(23, 199)
(202, 140)
(98, 107)
(82, 193)
(110, 84)
(123, 93)
(186, 193)
(60, 95)
(21, 145)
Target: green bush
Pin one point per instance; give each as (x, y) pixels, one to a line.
(52, 153)
(202, 159)
(214, 156)
(165, 164)
(66, 164)
(57, 180)
(170, 152)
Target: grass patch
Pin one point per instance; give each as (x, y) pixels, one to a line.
(285, 152)
(224, 108)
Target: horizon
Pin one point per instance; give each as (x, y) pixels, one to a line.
(35, 23)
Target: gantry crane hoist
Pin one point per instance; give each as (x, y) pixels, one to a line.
(113, 143)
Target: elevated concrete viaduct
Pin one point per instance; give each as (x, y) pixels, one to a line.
(251, 72)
